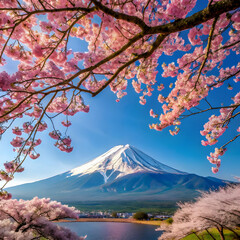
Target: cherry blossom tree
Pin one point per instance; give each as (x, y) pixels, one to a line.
(32, 219)
(217, 209)
(125, 43)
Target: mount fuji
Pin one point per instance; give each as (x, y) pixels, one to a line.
(122, 173)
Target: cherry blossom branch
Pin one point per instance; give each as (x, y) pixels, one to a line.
(155, 45)
(233, 139)
(121, 16)
(206, 14)
(207, 49)
(209, 109)
(33, 132)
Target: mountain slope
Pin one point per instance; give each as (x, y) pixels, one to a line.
(120, 161)
(122, 173)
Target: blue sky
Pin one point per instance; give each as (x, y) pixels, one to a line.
(110, 123)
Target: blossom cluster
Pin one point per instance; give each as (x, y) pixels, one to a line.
(195, 217)
(30, 219)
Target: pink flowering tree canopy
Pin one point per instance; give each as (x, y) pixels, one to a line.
(216, 209)
(125, 43)
(32, 219)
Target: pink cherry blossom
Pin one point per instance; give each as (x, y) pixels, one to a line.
(54, 135)
(17, 131)
(34, 155)
(192, 218)
(12, 167)
(5, 195)
(42, 127)
(214, 170)
(27, 127)
(17, 142)
(34, 218)
(66, 124)
(152, 114)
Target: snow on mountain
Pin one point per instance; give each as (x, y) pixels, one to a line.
(122, 173)
(122, 160)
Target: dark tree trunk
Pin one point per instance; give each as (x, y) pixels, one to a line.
(197, 236)
(210, 234)
(235, 233)
(19, 226)
(220, 230)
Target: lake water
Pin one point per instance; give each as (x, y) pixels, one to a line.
(113, 230)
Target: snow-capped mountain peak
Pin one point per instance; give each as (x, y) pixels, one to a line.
(120, 161)
(122, 173)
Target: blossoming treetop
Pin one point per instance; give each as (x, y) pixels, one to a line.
(126, 40)
(33, 219)
(196, 217)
